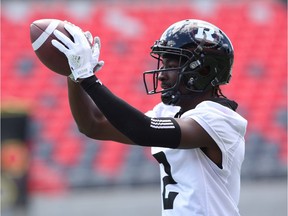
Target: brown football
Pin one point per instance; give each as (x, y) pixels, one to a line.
(41, 34)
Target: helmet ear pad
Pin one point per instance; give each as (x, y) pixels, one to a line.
(200, 78)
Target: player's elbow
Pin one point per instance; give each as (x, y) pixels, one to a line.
(84, 131)
(87, 131)
(92, 131)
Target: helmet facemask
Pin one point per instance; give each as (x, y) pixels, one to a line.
(190, 70)
(151, 80)
(159, 53)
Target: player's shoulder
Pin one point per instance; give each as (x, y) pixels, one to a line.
(216, 107)
(213, 113)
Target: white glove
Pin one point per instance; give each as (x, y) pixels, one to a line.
(96, 52)
(81, 57)
(96, 41)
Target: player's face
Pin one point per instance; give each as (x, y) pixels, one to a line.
(169, 77)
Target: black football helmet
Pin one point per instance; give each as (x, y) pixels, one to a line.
(205, 56)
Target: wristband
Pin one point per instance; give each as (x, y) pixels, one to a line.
(88, 82)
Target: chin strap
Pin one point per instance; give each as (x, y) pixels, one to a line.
(170, 97)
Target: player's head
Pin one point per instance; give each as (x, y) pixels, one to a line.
(204, 54)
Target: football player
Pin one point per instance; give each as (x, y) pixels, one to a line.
(195, 133)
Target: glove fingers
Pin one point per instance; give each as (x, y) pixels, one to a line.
(97, 41)
(98, 66)
(96, 48)
(101, 63)
(63, 38)
(71, 29)
(76, 33)
(89, 36)
(59, 46)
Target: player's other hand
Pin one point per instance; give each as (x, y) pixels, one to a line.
(83, 58)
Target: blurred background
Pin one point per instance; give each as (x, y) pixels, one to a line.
(49, 169)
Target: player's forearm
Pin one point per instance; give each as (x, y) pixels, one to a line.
(84, 111)
(89, 118)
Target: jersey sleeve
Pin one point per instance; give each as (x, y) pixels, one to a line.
(226, 127)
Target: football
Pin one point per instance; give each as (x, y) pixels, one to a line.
(41, 34)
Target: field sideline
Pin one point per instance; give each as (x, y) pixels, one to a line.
(263, 198)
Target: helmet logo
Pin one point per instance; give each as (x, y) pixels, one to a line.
(209, 35)
(205, 32)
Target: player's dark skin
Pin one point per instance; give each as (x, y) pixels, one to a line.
(93, 123)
